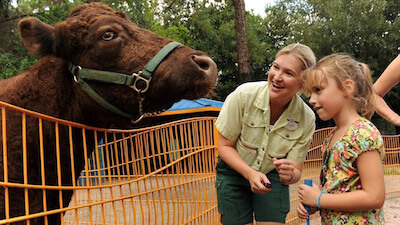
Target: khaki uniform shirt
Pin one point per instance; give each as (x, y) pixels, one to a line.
(245, 119)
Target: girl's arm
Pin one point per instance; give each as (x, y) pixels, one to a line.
(389, 78)
(227, 152)
(371, 196)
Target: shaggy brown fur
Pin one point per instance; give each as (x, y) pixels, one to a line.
(97, 37)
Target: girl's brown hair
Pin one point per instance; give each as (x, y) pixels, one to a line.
(342, 67)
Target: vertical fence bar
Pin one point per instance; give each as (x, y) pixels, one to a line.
(59, 169)
(42, 169)
(5, 161)
(25, 166)
(135, 174)
(99, 176)
(71, 153)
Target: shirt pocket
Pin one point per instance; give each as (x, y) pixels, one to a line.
(246, 151)
(284, 141)
(253, 129)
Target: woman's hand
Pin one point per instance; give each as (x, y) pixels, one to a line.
(257, 181)
(285, 168)
(302, 211)
(309, 195)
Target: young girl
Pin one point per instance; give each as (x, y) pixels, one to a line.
(352, 187)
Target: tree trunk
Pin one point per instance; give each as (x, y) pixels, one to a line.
(241, 42)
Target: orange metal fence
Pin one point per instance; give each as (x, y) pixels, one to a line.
(158, 175)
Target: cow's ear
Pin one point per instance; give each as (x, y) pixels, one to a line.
(38, 37)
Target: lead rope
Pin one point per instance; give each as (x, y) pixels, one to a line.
(142, 115)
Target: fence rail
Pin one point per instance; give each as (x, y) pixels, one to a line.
(158, 175)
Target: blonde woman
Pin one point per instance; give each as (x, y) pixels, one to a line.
(265, 130)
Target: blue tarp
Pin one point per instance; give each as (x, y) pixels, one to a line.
(195, 104)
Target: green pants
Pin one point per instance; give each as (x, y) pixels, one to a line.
(238, 205)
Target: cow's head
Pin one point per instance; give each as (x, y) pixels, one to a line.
(97, 37)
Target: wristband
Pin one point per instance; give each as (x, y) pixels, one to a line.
(291, 179)
(319, 200)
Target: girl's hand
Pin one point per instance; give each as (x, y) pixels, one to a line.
(302, 212)
(285, 168)
(257, 181)
(309, 195)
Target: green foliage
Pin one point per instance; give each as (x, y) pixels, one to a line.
(10, 65)
(14, 58)
(366, 29)
(178, 33)
(4, 9)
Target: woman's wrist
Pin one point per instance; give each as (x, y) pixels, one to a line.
(291, 178)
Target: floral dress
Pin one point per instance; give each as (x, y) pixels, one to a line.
(340, 174)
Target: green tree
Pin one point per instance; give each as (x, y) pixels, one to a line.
(367, 29)
(4, 9)
(13, 56)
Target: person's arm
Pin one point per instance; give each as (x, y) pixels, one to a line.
(385, 111)
(227, 152)
(371, 196)
(389, 78)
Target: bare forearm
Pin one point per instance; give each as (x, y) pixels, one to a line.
(389, 78)
(352, 201)
(386, 112)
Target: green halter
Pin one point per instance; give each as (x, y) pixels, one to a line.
(138, 81)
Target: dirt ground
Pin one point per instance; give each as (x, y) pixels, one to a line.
(391, 209)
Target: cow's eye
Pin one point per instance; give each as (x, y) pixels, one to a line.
(108, 35)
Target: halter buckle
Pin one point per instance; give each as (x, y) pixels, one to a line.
(138, 81)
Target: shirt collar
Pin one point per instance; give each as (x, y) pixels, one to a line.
(292, 112)
(262, 99)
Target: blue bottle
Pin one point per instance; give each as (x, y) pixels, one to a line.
(309, 183)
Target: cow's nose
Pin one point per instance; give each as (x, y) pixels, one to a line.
(206, 64)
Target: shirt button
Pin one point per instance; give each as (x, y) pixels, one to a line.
(258, 162)
(252, 124)
(287, 135)
(262, 148)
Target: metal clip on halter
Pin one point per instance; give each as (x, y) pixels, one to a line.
(75, 73)
(140, 78)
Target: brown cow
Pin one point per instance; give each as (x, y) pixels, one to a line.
(93, 37)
